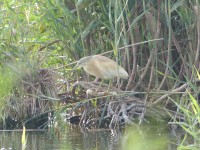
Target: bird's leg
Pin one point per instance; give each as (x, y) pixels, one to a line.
(99, 86)
(118, 83)
(109, 84)
(96, 79)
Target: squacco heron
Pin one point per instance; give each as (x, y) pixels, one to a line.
(101, 67)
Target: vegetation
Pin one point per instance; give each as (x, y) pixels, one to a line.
(156, 41)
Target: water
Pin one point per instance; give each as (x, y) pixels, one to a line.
(75, 138)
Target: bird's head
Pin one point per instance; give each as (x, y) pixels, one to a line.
(82, 62)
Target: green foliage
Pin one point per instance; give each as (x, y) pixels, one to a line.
(7, 80)
(190, 125)
(190, 111)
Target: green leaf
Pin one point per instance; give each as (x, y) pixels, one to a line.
(88, 29)
(176, 5)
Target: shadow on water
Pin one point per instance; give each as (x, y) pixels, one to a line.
(74, 138)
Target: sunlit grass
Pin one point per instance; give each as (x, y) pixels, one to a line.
(7, 81)
(190, 125)
(191, 113)
(24, 138)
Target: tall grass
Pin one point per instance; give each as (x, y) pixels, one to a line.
(189, 109)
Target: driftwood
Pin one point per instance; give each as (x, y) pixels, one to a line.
(111, 108)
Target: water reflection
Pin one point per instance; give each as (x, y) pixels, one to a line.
(93, 139)
(75, 138)
(148, 137)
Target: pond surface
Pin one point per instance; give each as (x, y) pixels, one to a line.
(75, 138)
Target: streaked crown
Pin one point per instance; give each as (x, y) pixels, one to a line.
(83, 61)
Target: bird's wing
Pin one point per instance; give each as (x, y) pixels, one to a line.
(108, 67)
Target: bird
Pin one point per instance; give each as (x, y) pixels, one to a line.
(101, 67)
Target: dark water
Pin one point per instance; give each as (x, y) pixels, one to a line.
(74, 138)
